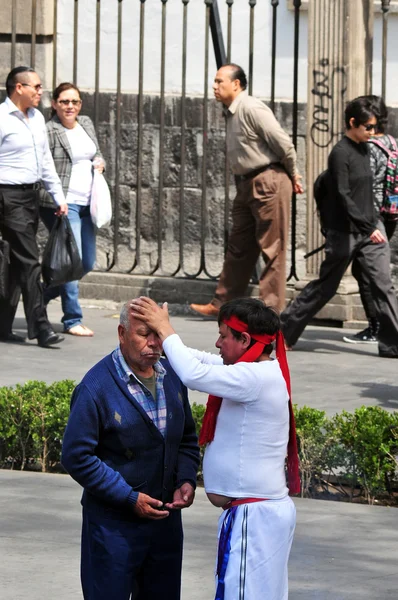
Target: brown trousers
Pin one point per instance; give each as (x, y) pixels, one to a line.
(260, 223)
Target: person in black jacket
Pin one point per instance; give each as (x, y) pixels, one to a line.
(131, 444)
(354, 230)
(379, 146)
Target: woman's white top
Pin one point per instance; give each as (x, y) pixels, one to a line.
(247, 456)
(81, 180)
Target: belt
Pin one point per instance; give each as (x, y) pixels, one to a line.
(239, 501)
(21, 186)
(251, 174)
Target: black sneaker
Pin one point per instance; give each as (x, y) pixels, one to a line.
(362, 337)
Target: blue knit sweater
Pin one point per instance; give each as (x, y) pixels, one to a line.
(113, 449)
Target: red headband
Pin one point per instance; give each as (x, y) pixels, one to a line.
(255, 351)
(251, 355)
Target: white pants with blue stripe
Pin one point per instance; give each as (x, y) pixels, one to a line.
(261, 539)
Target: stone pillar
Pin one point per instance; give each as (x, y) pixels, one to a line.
(359, 47)
(339, 69)
(22, 13)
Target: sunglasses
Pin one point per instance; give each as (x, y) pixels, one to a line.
(35, 87)
(370, 127)
(67, 102)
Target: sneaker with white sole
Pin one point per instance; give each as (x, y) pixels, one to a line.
(362, 337)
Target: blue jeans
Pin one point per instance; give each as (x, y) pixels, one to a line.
(84, 232)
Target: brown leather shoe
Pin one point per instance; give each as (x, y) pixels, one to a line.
(207, 310)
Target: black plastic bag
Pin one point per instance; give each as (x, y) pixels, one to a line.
(4, 268)
(61, 259)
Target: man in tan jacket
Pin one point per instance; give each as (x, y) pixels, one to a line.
(263, 160)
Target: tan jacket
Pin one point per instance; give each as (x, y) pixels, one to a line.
(255, 139)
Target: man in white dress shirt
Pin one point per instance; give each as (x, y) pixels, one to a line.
(25, 160)
(249, 429)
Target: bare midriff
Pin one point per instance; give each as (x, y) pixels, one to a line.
(218, 499)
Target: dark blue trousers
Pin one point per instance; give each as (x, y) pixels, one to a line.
(124, 559)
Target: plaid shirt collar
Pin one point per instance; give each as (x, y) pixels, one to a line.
(126, 373)
(155, 409)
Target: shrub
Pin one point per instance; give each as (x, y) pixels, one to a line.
(198, 411)
(313, 445)
(32, 422)
(369, 439)
(15, 427)
(360, 447)
(50, 414)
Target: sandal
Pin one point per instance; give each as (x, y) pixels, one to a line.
(80, 331)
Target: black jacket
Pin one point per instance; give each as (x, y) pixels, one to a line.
(350, 193)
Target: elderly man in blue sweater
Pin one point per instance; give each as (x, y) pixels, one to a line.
(131, 444)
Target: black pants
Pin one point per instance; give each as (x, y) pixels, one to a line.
(365, 288)
(374, 260)
(19, 218)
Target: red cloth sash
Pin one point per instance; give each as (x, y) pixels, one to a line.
(239, 501)
(251, 355)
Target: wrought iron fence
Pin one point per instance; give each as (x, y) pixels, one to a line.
(223, 48)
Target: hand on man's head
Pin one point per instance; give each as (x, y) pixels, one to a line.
(156, 317)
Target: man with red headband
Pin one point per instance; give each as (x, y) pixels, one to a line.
(249, 429)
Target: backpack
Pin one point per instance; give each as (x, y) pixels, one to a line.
(390, 196)
(322, 206)
(321, 199)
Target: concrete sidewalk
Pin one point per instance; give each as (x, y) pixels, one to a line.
(340, 551)
(326, 372)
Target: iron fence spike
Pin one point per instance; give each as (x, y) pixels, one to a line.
(385, 5)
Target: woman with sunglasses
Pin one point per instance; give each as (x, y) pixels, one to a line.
(379, 145)
(354, 232)
(76, 153)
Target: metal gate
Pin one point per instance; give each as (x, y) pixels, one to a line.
(217, 42)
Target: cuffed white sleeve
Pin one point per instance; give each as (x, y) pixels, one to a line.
(238, 382)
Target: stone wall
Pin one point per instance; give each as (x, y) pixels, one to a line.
(214, 230)
(42, 60)
(214, 212)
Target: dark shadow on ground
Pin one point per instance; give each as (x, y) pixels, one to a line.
(322, 340)
(19, 326)
(385, 394)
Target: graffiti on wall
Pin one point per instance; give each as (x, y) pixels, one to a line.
(329, 87)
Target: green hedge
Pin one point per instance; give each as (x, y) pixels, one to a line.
(33, 417)
(358, 449)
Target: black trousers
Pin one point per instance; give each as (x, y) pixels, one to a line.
(19, 218)
(374, 260)
(365, 288)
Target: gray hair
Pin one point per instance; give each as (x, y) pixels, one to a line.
(124, 318)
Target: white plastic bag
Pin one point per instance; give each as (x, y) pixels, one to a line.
(100, 204)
